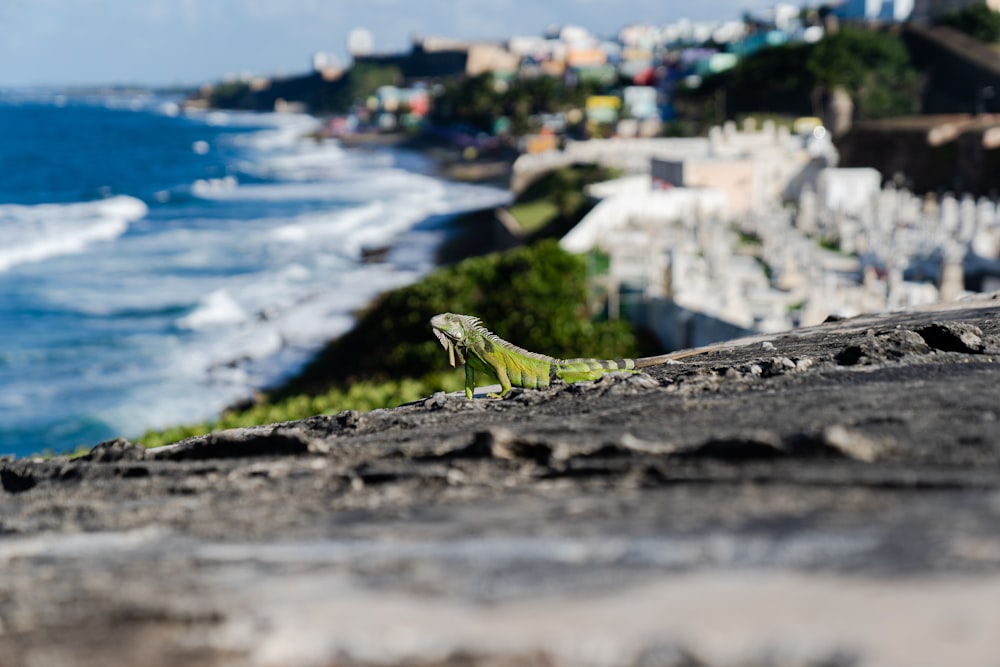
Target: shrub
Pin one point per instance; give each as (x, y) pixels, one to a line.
(534, 296)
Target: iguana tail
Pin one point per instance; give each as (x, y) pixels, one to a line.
(646, 362)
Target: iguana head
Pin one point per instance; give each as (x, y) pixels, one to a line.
(453, 332)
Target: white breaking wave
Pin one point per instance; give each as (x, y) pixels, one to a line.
(215, 309)
(214, 187)
(34, 233)
(284, 129)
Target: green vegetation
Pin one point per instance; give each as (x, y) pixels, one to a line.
(534, 295)
(874, 67)
(365, 395)
(598, 263)
(833, 245)
(358, 84)
(478, 101)
(765, 267)
(752, 239)
(978, 21)
(775, 79)
(533, 215)
(228, 94)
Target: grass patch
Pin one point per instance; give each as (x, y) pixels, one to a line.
(362, 396)
(555, 203)
(534, 215)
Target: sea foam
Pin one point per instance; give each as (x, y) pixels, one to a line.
(218, 308)
(36, 233)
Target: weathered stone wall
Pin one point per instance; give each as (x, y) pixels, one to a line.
(933, 153)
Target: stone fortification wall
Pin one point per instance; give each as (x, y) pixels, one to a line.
(957, 152)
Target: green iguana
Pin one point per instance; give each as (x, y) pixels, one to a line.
(469, 342)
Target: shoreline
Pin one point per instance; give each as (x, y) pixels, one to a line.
(468, 233)
(464, 235)
(235, 340)
(448, 164)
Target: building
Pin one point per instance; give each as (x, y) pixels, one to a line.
(486, 57)
(735, 176)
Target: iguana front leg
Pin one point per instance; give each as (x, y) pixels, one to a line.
(488, 372)
(470, 380)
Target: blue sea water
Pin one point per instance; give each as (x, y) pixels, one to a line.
(156, 265)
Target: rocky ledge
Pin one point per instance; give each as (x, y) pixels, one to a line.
(829, 496)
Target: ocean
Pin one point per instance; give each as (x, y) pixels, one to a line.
(157, 265)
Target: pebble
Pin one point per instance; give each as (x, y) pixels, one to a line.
(854, 444)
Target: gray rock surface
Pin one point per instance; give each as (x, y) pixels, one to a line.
(829, 496)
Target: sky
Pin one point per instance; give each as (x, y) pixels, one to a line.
(189, 42)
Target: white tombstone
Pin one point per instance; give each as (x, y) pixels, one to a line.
(805, 220)
(949, 214)
(967, 218)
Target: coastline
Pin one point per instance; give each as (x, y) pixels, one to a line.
(239, 253)
(466, 233)
(450, 163)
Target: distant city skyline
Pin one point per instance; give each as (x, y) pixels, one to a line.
(187, 42)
